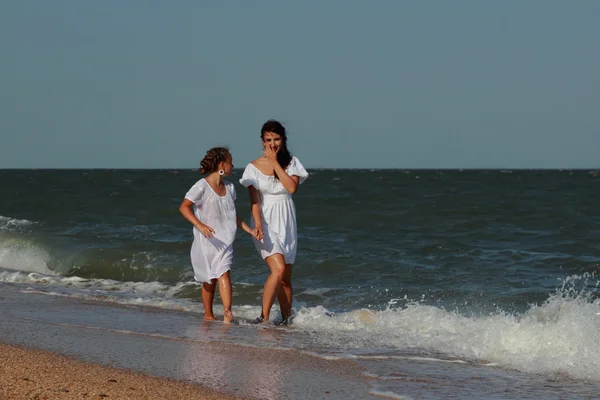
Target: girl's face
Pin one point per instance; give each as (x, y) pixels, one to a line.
(273, 141)
(227, 167)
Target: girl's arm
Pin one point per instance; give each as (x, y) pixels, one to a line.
(244, 226)
(255, 208)
(186, 211)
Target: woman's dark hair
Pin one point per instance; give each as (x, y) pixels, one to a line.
(284, 157)
(213, 157)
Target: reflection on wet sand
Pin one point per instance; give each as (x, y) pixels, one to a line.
(262, 376)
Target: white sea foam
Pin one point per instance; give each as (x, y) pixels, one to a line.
(409, 358)
(315, 292)
(389, 395)
(327, 357)
(162, 303)
(95, 286)
(14, 225)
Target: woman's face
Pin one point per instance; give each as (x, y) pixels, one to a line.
(273, 141)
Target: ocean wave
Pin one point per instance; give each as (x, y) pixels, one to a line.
(24, 255)
(21, 252)
(559, 337)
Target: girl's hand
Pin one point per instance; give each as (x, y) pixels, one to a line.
(256, 234)
(259, 232)
(270, 154)
(206, 231)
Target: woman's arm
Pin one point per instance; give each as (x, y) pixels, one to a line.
(186, 211)
(255, 209)
(290, 183)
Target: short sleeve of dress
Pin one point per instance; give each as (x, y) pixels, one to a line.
(231, 189)
(296, 168)
(249, 176)
(195, 193)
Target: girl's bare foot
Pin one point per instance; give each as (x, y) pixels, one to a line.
(227, 316)
(209, 317)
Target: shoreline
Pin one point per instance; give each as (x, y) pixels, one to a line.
(71, 340)
(28, 373)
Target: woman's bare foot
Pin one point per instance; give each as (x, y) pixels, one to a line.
(209, 317)
(260, 321)
(227, 316)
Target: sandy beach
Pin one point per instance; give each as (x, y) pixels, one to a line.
(35, 374)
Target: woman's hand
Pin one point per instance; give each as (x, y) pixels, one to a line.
(256, 234)
(270, 154)
(205, 230)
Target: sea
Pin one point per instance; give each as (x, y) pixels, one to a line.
(439, 283)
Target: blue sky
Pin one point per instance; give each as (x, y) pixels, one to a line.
(358, 84)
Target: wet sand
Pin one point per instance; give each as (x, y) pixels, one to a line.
(50, 344)
(34, 374)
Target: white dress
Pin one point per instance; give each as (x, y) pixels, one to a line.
(277, 211)
(212, 257)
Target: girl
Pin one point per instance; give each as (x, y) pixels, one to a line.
(215, 223)
(271, 181)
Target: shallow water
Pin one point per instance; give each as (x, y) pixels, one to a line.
(492, 270)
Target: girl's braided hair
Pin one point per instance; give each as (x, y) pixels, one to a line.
(210, 162)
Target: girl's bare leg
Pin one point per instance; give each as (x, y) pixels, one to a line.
(208, 294)
(285, 293)
(276, 264)
(225, 293)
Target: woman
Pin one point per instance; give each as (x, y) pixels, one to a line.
(271, 181)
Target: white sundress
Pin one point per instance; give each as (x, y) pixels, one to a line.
(212, 257)
(277, 211)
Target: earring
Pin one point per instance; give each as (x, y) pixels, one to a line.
(221, 172)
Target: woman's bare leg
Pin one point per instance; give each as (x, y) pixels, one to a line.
(285, 293)
(208, 295)
(225, 293)
(276, 264)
